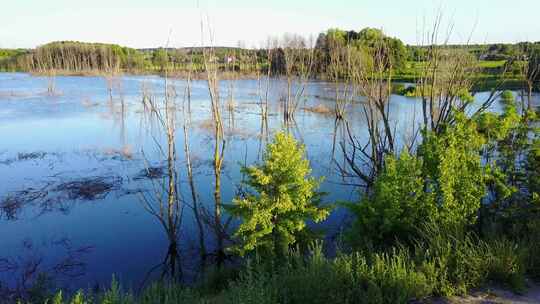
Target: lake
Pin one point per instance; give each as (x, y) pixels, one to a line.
(74, 165)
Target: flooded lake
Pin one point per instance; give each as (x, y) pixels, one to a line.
(75, 164)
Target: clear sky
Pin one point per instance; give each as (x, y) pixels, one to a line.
(138, 23)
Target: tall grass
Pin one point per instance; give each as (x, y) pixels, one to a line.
(443, 262)
(462, 261)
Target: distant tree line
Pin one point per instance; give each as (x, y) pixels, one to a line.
(334, 44)
(8, 58)
(80, 57)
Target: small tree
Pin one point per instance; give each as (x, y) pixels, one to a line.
(285, 196)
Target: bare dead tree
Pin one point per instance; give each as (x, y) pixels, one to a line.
(299, 55)
(447, 79)
(529, 73)
(231, 61)
(211, 67)
(443, 87)
(263, 88)
(372, 75)
(194, 196)
(167, 209)
(342, 62)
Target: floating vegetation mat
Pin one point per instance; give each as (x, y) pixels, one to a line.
(24, 156)
(58, 196)
(150, 173)
(92, 188)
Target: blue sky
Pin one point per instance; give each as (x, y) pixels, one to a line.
(137, 23)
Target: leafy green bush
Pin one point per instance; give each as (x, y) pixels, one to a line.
(401, 89)
(445, 183)
(397, 206)
(507, 97)
(453, 170)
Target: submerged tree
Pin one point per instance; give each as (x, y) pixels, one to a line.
(285, 196)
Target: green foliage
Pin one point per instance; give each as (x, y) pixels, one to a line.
(531, 242)
(164, 293)
(396, 207)
(73, 56)
(367, 41)
(532, 167)
(40, 288)
(507, 97)
(160, 58)
(511, 154)
(408, 91)
(115, 295)
(337, 36)
(285, 196)
(445, 183)
(465, 96)
(394, 48)
(214, 279)
(496, 127)
(453, 171)
(9, 57)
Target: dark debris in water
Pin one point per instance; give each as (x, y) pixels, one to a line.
(32, 261)
(12, 204)
(31, 155)
(150, 173)
(91, 188)
(24, 156)
(58, 196)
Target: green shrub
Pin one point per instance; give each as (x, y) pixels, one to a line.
(407, 91)
(395, 276)
(453, 171)
(507, 97)
(395, 208)
(255, 285)
(445, 183)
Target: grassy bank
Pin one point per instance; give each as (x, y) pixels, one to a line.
(442, 263)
